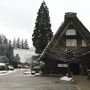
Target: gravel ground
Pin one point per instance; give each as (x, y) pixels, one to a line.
(83, 82)
(34, 83)
(15, 80)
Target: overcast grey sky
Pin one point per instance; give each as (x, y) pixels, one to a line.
(17, 17)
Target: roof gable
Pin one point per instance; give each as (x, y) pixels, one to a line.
(70, 19)
(81, 29)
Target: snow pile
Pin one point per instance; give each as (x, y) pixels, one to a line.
(66, 78)
(24, 54)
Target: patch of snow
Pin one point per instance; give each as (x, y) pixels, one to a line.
(38, 74)
(11, 67)
(66, 78)
(27, 72)
(33, 72)
(8, 72)
(2, 64)
(3, 72)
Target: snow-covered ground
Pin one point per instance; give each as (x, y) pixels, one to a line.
(24, 53)
(6, 72)
(17, 72)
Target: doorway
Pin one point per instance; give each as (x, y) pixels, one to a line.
(75, 68)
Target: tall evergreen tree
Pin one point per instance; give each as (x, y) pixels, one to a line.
(18, 43)
(5, 41)
(10, 43)
(26, 44)
(42, 31)
(14, 43)
(0, 39)
(22, 44)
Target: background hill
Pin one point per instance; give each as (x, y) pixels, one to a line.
(24, 53)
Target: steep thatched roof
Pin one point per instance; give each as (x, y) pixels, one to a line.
(70, 19)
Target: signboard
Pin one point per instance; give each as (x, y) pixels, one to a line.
(62, 65)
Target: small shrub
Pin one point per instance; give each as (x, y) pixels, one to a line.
(2, 67)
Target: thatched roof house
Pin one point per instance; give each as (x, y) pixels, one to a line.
(70, 44)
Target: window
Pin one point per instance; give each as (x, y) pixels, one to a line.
(71, 42)
(62, 65)
(71, 32)
(84, 43)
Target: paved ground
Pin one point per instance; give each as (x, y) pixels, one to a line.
(15, 81)
(83, 82)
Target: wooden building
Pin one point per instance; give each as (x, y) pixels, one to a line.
(69, 49)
